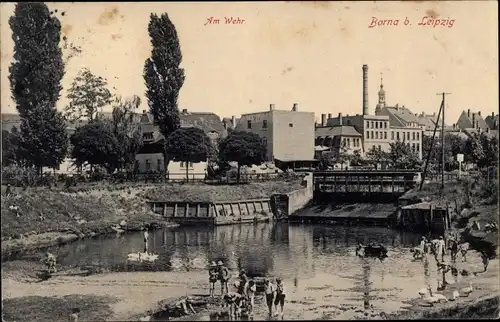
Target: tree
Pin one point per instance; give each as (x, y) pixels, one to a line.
(453, 145)
(87, 95)
(10, 147)
(377, 156)
(188, 145)
(126, 131)
(489, 145)
(474, 149)
(246, 148)
(35, 81)
(402, 157)
(95, 144)
(163, 76)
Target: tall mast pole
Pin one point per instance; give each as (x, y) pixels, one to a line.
(442, 138)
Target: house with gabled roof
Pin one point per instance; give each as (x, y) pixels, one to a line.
(492, 121)
(471, 120)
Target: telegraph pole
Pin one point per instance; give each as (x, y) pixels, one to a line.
(443, 94)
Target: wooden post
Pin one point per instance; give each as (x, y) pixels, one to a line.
(165, 209)
(175, 209)
(197, 210)
(186, 211)
(154, 207)
(431, 215)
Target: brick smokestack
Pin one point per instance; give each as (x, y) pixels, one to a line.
(365, 89)
(323, 119)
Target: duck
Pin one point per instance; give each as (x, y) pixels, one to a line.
(455, 295)
(467, 290)
(435, 297)
(139, 257)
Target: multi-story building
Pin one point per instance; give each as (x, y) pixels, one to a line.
(150, 157)
(389, 124)
(289, 135)
(338, 138)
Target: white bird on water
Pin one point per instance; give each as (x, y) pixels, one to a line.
(455, 296)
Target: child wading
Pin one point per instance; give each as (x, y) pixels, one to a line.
(223, 277)
(269, 290)
(280, 295)
(213, 277)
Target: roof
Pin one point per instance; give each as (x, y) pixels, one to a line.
(429, 121)
(333, 131)
(208, 122)
(492, 121)
(426, 205)
(10, 120)
(402, 113)
(468, 119)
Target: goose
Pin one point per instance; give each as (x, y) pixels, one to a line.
(423, 291)
(117, 228)
(455, 296)
(467, 290)
(435, 297)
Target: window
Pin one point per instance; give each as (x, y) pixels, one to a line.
(264, 124)
(147, 136)
(249, 124)
(385, 135)
(413, 147)
(190, 164)
(392, 135)
(385, 125)
(418, 136)
(418, 147)
(148, 165)
(367, 124)
(376, 125)
(290, 124)
(413, 136)
(264, 141)
(343, 142)
(182, 164)
(372, 126)
(159, 165)
(397, 136)
(348, 142)
(408, 136)
(379, 148)
(376, 134)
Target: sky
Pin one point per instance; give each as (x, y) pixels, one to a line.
(310, 53)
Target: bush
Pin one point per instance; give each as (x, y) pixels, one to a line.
(18, 176)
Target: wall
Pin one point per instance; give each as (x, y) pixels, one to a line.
(154, 159)
(257, 127)
(298, 199)
(66, 167)
(177, 170)
(413, 136)
(295, 142)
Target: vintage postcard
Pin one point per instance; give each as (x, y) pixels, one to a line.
(292, 160)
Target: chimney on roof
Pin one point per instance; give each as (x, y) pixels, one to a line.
(329, 115)
(487, 130)
(492, 114)
(468, 113)
(365, 89)
(144, 112)
(477, 125)
(184, 111)
(479, 113)
(233, 121)
(340, 118)
(295, 107)
(454, 126)
(473, 120)
(323, 119)
(271, 107)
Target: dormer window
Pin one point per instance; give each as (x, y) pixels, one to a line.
(147, 136)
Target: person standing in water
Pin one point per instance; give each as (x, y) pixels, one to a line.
(146, 238)
(280, 295)
(269, 290)
(223, 277)
(213, 277)
(252, 288)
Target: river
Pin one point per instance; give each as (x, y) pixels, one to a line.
(317, 262)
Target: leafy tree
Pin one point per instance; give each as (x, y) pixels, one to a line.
(474, 151)
(188, 145)
(489, 146)
(326, 160)
(453, 145)
(402, 157)
(355, 159)
(95, 144)
(162, 74)
(10, 147)
(87, 96)
(126, 131)
(246, 148)
(35, 81)
(377, 156)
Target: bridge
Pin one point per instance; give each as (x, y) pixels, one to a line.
(364, 184)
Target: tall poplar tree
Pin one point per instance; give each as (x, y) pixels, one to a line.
(162, 74)
(35, 80)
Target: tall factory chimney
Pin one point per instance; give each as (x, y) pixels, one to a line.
(365, 89)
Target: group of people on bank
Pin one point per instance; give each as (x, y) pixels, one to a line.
(243, 300)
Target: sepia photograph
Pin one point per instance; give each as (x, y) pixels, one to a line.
(249, 161)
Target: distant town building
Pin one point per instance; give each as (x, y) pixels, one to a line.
(474, 120)
(150, 157)
(492, 121)
(289, 135)
(338, 138)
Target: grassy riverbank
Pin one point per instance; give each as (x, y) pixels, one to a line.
(46, 217)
